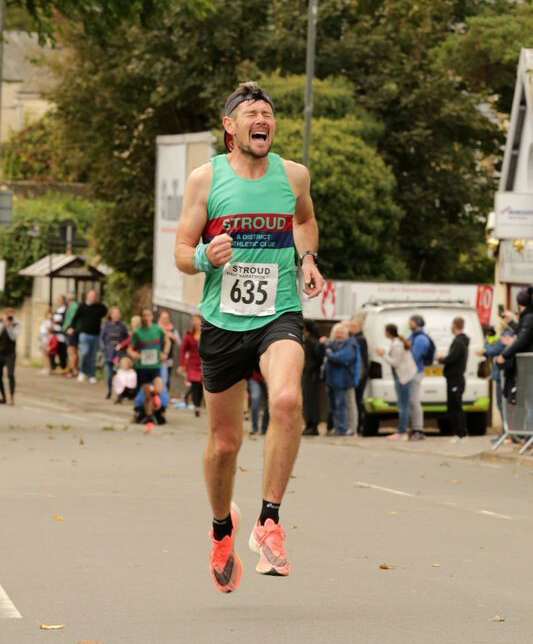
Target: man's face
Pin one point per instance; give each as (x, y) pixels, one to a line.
(147, 317)
(412, 325)
(354, 326)
(252, 125)
(115, 315)
(91, 297)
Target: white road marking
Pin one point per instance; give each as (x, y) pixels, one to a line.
(447, 503)
(7, 607)
(384, 489)
(494, 514)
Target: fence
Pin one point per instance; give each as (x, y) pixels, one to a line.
(518, 418)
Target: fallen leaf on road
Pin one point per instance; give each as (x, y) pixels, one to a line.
(393, 512)
(82, 442)
(436, 565)
(292, 476)
(51, 627)
(294, 527)
(445, 464)
(386, 566)
(497, 618)
(58, 517)
(242, 469)
(455, 481)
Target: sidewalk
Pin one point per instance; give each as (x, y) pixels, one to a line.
(70, 398)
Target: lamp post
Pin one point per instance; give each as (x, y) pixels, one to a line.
(310, 72)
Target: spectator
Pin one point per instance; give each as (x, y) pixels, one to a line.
(135, 323)
(9, 332)
(356, 331)
(58, 317)
(113, 332)
(454, 372)
(89, 316)
(404, 372)
(148, 347)
(314, 356)
(522, 343)
(172, 334)
(73, 338)
(45, 334)
(258, 396)
(125, 381)
(351, 401)
(423, 351)
(341, 357)
(190, 365)
(492, 349)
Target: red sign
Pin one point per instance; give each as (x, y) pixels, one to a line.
(329, 299)
(485, 294)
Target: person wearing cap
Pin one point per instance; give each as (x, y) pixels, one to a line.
(521, 343)
(243, 215)
(420, 345)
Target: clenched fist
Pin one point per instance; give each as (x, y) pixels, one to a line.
(218, 250)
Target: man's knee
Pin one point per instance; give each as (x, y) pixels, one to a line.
(285, 404)
(224, 445)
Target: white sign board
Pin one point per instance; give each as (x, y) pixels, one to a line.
(516, 267)
(514, 215)
(341, 300)
(170, 182)
(2, 274)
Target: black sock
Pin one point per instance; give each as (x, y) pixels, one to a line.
(222, 527)
(269, 510)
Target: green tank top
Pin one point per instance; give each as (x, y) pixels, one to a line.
(260, 282)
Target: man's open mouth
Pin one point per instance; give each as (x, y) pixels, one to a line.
(259, 136)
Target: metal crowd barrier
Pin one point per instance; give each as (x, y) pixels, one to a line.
(518, 418)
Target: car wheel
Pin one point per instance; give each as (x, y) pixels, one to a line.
(370, 425)
(476, 423)
(444, 426)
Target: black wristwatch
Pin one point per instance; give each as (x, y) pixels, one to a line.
(312, 253)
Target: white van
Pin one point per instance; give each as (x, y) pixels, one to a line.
(380, 394)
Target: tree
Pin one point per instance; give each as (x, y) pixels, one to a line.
(351, 186)
(434, 137)
(98, 17)
(485, 53)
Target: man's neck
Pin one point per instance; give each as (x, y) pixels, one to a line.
(247, 166)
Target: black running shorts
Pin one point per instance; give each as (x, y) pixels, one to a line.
(231, 356)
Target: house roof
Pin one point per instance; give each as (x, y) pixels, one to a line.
(517, 170)
(62, 265)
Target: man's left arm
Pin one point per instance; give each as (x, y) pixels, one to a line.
(305, 228)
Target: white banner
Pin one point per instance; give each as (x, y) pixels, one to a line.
(170, 182)
(2, 274)
(516, 267)
(514, 215)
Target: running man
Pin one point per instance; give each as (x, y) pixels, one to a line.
(243, 214)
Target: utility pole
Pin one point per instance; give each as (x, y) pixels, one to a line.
(310, 72)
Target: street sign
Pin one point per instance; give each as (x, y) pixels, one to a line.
(514, 215)
(2, 274)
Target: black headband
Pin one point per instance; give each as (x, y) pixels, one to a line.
(258, 95)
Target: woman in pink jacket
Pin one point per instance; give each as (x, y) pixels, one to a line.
(190, 364)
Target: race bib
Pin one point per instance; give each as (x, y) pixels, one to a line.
(249, 289)
(149, 357)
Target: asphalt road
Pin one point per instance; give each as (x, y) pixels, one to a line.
(104, 531)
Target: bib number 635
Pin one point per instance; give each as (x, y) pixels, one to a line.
(249, 292)
(249, 289)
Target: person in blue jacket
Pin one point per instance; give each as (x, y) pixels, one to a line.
(421, 346)
(341, 355)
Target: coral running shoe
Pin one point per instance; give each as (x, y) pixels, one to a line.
(267, 541)
(224, 563)
(156, 402)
